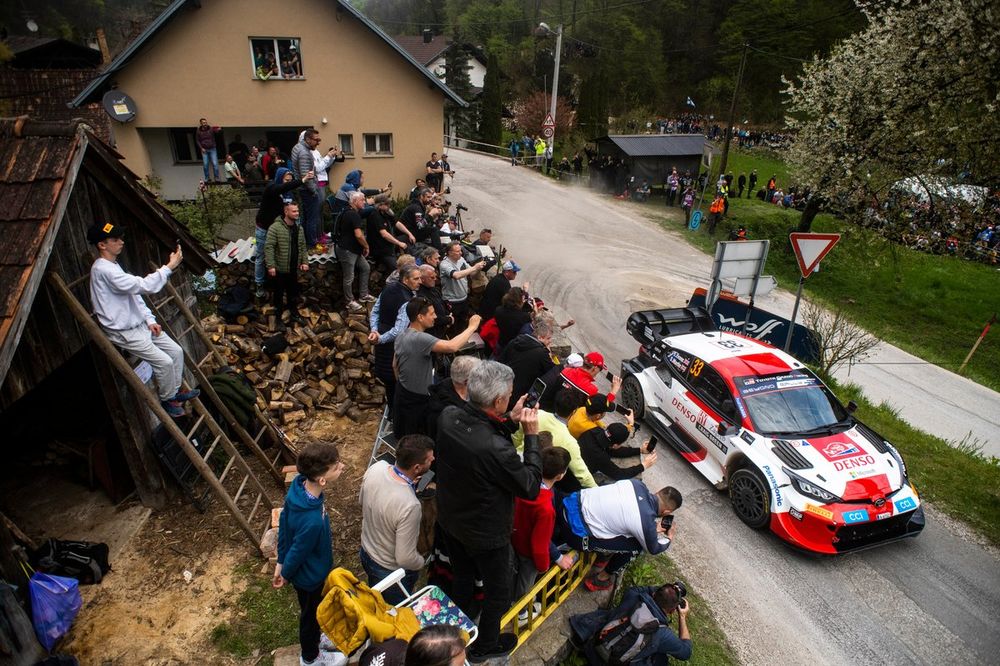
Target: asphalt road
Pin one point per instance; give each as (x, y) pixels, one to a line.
(933, 599)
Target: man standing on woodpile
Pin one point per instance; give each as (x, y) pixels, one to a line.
(414, 364)
(387, 320)
(285, 255)
(128, 323)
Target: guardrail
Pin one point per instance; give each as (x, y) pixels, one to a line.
(551, 590)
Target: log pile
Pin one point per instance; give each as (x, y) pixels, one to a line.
(326, 365)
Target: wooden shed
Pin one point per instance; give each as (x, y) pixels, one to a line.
(56, 179)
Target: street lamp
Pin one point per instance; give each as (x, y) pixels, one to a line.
(545, 30)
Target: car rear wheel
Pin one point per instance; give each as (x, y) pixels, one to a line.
(750, 497)
(631, 397)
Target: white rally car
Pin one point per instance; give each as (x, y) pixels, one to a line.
(754, 420)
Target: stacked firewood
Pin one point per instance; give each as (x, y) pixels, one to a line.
(327, 361)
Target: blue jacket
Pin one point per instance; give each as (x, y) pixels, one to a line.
(305, 546)
(664, 644)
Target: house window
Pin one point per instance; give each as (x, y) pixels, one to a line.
(183, 146)
(276, 58)
(378, 144)
(346, 143)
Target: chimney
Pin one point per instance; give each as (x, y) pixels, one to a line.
(428, 36)
(102, 42)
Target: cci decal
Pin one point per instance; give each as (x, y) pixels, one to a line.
(857, 516)
(819, 511)
(905, 504)
(774, 484)
(838, 450)
(853, 463)
(711, 435)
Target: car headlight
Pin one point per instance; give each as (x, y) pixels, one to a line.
(810, 489)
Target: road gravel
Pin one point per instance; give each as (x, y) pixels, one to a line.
(933, 599)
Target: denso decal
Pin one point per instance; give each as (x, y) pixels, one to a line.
(715, 440)
(905, 504)
(853, 463)
(856, 516)
(774, 484)
(687, 413)
(819, 511)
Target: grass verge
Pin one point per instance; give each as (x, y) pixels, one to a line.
(262, 618)
(710, 645)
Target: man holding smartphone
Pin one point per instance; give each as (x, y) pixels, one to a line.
(599, 445)
(582, 379)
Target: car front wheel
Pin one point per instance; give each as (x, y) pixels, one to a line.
(631, 396)
(750, 497)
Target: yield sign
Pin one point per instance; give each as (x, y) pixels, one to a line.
(811, 248)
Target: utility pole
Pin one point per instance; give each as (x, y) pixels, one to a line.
(732, 112)
(555, 85)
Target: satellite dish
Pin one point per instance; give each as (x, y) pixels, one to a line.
(119, 106)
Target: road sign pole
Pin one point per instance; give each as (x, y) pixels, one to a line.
(795, 312)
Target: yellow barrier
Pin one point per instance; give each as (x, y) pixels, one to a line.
(551, 590)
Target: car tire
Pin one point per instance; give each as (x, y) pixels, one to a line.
(632, 398)
(751, 497)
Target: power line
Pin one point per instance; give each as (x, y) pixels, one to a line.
(584, 12)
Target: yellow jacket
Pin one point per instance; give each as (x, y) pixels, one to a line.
(351, 612)
(579, 422)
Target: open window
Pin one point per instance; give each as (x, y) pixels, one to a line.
(276, 58)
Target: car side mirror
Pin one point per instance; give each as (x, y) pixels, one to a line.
(726, 430)
(852, 407)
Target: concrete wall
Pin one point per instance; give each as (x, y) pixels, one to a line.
(200, 66)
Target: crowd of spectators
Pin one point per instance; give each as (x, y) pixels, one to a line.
(523, 445)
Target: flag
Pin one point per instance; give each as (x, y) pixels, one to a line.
(690, 102)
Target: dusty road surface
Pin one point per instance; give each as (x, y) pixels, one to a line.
(933, 599)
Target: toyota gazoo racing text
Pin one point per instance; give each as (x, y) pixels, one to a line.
(754, 420)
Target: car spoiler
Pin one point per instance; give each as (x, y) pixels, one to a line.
(651, 326)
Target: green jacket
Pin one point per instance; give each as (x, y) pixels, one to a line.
(278, 247)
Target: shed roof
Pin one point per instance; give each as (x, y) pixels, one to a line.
(102, 83)
(51, 52)
(39, 164)
(657, 145)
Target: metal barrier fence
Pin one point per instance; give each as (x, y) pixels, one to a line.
(551, 590)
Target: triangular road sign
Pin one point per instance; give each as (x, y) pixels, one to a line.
(811, 248)
(549, 121)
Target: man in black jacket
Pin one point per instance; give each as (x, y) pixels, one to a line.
(430, 290)
(451, 391)
(599, 445)
(479, 474)
(528, 356)
(418, 218)
(387, 320)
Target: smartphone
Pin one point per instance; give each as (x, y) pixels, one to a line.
(667, 521)
(389, 185)
(652, 444)
(622, 409)
(609, 376)
(177, 242)
(534, 394)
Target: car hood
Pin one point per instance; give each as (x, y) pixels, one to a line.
(849, 464)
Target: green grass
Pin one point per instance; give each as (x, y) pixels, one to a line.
(959, 481)
(767, 166)
(710, 645)
(932, 306)
(263, 618)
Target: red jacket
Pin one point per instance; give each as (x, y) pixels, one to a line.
(534, 521)
(581, 380)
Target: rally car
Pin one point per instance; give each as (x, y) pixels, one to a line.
(757, 422)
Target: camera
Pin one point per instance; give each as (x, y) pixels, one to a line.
(681, 591)
(489, 263)
(460, 207)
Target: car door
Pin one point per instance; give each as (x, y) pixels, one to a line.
(715, 404)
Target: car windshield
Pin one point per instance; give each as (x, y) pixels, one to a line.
(790, 403)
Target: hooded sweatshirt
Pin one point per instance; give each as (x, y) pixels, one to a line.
(272, 201)
(305, 545)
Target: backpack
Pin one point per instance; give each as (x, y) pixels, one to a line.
(234, 302)
(623, 639)
(83, 560)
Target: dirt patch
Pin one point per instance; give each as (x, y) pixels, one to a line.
(148, 612)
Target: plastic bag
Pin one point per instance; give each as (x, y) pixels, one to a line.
(55, 601)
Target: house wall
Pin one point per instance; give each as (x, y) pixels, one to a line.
(477, 71)
(200, 66)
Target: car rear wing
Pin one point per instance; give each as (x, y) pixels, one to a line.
(650, 326)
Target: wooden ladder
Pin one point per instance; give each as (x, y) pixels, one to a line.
(229, 488)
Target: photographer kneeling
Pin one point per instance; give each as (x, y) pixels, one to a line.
(636, 632)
